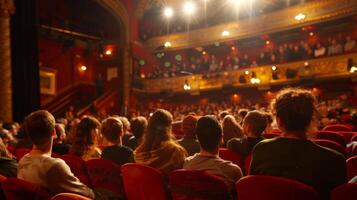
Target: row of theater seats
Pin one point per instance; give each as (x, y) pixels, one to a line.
(146, 183)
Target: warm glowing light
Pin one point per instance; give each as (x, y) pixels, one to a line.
(108, 52)
(267, 42)
(255, 80)
(167, 44)
(189, 8)
(142, 76)
(83, 68)
(186, 87)
(233, 48)
(353, 69)
(235, 96)
(274, 68)
(203, 53)
(246, 72)
(225, 33)
(235, 2)
(311, 34)
(300, 16)
(168, 12)
(306, 63)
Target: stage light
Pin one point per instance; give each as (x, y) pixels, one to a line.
(83, 68)
(167, 44)
(311, 34)
(274, 68)
(353, 69)
(168, 12)
(189, 8)
(225, 33)
(267, 42)
(246, 72)
(108, 52)
(203, 53)
(300, 17)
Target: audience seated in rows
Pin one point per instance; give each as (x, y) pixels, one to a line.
(8, 164)
(292, 155)
(158, 149)
(210, 136)
(254, 124)
(112, 130)
(138, 126)
(39, 167)
(85, 140)
(189, 140)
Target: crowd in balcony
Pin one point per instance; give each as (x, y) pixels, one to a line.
(283, 53)
(207, 129)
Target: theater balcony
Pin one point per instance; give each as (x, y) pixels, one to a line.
(262, 77)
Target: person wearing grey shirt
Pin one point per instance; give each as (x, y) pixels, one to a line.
(209, 134)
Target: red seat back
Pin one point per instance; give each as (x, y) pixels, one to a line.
(232, 156)
(69, 196)
(17, 189)
(345, 192)
(351, 167)
(105, 174)
(78, 168)
(142, 182)
(332, 145)
(20, 152)
(337, 127)
(197, 185)
(333, 136)
(273, 188)
(247, 161)
(354, 138)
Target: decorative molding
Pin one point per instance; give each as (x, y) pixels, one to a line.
(315, 11)
(7, 8)
(323, 68)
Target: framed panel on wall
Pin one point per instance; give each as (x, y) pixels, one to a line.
(48, 81)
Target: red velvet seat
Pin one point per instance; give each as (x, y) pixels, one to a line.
(351, 167)
(78, 168)
(20, 152)
(332, 145)
(270, 135)
(69, 196)
(2, 179)
(232, 156)
(17, 189)
(354, 138)
(105, 174)
(11, 149)
(345, 192)
(338, 127)
(247, 161)
(333, 136)
(273, 188)
(143, 182)
(197, 185)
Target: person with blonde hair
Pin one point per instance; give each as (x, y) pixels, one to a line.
(158, 148)
(231, 129)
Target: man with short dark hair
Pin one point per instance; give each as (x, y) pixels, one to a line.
(112, 130)
(254, 125)
(209, 134)
(39, 167)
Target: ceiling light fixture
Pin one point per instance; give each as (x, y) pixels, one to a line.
(300, 16)
(225, 33)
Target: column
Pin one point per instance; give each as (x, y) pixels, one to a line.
(6, 9)
(127, 76)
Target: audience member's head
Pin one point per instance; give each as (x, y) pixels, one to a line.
(223, 114)
(112, 130)
(294, 110)
(254, 123)
(3, 150)
(40, 127)
(189, 125)
(138, 126)
(231, 128)
(86, 135)
(158, 130)
(60, 132)
(242, 113)
(209, 133)
(126, 123)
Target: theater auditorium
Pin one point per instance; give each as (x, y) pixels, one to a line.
(178, 99)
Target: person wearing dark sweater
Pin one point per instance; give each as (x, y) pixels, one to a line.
(292, 155)
(254, 125)
(8, 164)
(112, 130)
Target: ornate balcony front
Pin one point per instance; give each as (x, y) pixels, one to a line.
(262, 77)
(314, 12)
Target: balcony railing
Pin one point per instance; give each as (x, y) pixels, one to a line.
(316, 69)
